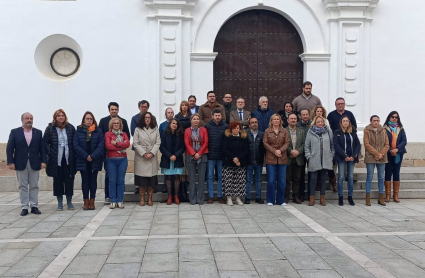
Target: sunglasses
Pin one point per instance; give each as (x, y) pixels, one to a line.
(394, 117)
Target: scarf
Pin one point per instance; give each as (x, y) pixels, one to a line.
(393, 127)
(196, 141)
(319, 130)
(119, 139)
(89, 130)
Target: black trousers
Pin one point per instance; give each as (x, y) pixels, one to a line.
(293, 175)
(89, 183)
(63, 183)
(303, 183)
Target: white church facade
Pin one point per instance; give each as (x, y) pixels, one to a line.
(368, 51)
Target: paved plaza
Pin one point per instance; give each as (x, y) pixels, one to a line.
(212, 240)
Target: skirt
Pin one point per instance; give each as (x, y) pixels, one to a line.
(172, 170)
(234, 181)
(145, 181)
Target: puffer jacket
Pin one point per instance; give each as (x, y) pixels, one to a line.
(273, 142)
(235, 146)
(339, 145)
(215, 139)
(312, 151)
(97, 147)
(263, 117)
(51, 139)
(256, 148)
(401, 139)
(375, 142)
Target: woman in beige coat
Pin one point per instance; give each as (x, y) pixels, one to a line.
(146, 143)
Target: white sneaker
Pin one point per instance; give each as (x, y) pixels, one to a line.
(269, 204)
(112, 206)
(120, 205)
(284, 204)
(229, 201)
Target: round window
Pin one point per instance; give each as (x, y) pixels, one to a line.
(65, 62)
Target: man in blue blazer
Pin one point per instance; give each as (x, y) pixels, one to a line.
(192, 104)
(26, 153)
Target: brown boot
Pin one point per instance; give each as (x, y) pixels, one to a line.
(387, 191)
(396, 185)
(91, 204)
(322, 200)
(297, 201)
(368, 199)
(150, 192)
(86, 204)
(311, 203)
(142, 191)
(333, 182)
(381, 199)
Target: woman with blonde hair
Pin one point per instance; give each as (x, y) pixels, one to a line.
(116, 143)
(59, 136)
(276, 143)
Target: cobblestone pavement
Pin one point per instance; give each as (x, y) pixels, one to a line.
(213, 240)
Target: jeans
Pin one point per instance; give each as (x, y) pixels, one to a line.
(293, 174)
(257, 170)
(273, 171)
(341, 176)
(393, 169)
(210, 177)
(117, 168)
(370, 167)
(89, 184)
(105, 165)
(313, 181)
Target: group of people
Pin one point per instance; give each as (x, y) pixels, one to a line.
(208, 142)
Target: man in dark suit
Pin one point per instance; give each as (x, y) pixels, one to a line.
(104, 126)
(240, 115)
(143, 107)
(26, 153)
(296, 159)
(192, 104)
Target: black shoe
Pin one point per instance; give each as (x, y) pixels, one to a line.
(340, 201)
(24, 212)
(247, 201)
(259, 201)
(136, 190)
(350, 200)
(35, 210)
(164, 190)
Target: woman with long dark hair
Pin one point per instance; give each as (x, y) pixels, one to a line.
(284, 114)
(146, 143)
(89, 146)
(59, 136)
(184, 118)
(398, 141)
(172, 149)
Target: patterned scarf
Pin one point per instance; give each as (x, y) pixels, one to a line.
(319, 130)
(119, 139)
(394, 132)
(196, 141)
(89, 130)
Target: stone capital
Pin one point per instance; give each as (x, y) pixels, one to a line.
(351, 9)
(170, 7)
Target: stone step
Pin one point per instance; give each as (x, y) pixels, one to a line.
(357, 194)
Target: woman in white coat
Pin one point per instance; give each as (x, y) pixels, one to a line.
(146, 143)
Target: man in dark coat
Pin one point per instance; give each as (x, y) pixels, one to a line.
(335, 116)
(143, 107)
(192, 104)
(263, 113)
(228, 106)
(216, 128)
(26, 154)
(104, 126)
(304, 124)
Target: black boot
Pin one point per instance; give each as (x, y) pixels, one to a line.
(340, 201)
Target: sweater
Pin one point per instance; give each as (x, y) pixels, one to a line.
(300, 103)
(334, 117)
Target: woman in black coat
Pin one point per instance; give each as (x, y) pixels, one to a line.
(89, 146)
(235, 152)
(172, 149)
(347, 149)
(61, 157)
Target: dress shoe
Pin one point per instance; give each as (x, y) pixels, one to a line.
(35, 210)
(136, 191)
(210, 201)
(286, 199)
(24, 212)
(220, 200)
(350, 201)
(259, 201)
(247, 201)
(297, 201)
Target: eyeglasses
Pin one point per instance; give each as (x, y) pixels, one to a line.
(340, 104)
(147, 117)
(88, 119)
(253, 122)
(116, 123)
(394, 117)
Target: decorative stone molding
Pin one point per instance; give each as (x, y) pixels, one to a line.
(354, 9)
(305, 57)
(203, 56)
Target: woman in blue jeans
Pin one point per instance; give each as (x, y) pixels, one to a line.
(276, 143)
(347, 149)
(398, 141)
(116, 143)
(376, 147)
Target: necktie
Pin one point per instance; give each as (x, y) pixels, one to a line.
(240, 116)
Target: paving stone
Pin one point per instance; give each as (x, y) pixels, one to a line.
(8, 233)
(254, 240)
(220, 229)
(97, 247)
(263, 252)
(195, 253)
(138, 224)
(275, 269)
(194, 241)
(159, 275)
(229, 261)
(211, 210)
(306, 260)
(274, 228)
(192, 231)
(198, 269)
(401, 268)
(30, 266)
(393, 242)
(226, 244)
(313, 239)
(78, 221)
(130, 232)
(63, 232)
(191, 224)
(79, 276)
(121, 255)
(3, 269)
(164, 229)
(327, 250)
(127, 270)
(190, 215)
(86, 265)
(290, 244)
(415, 256)
(319, 274)
(216, 219)
(165, 219)
(162, 246)
(374, 250)
(9, 257)
(238, 274)
(104, 231)
(348, 268)
(118, 221)
(160, 262)
(21, 245)
(130, 243)
(34, 235)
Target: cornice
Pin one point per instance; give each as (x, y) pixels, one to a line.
(315, 57)
(351, 9)
(197, 56)
(170, 4)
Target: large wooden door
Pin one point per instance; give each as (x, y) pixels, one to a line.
(258, 54)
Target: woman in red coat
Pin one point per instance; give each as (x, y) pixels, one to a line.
(116, 143)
